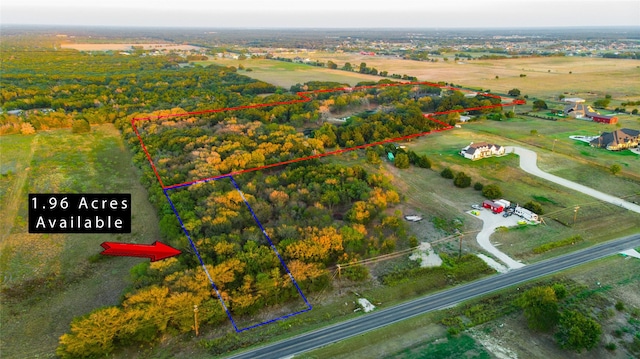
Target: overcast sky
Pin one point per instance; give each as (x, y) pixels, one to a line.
(323, 13)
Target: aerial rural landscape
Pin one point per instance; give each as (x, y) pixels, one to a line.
(319, 191)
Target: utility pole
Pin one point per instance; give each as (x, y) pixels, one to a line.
(575, 214)
(195, 318)
(339, 272)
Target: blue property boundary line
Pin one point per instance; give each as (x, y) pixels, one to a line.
(273, 247)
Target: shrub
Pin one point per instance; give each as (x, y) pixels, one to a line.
(492, 191)
(447, 173)
(577, 331)
(402, 160)
(423, 162)
(619, 306)
(478, 186)
(462, 180)
(611, 346)
(534, 207)
(80, 126)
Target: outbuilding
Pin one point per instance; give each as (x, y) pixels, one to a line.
(493, 206)
(610, 120)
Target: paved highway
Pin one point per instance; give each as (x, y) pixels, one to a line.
(440, 300)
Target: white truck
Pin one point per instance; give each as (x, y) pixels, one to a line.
(526, 214)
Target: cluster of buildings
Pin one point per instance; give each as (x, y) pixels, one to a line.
(577, 108)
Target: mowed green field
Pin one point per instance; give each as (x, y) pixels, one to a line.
(48, 279)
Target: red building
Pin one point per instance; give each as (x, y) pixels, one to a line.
(610, 120)
(493, 206)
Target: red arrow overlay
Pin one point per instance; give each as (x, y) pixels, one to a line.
(155, 251)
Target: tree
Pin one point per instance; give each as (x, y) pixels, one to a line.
(478, 186)
(332, 65)
(539, 105)
(577, 331)
(347, 66)
(373, 157)
(447, 173)
(514, 92)
(363, 68)
(80, 126)
(615, 169)
(601, 103)
(402, 160)
(540, 306)
(423, 162)
(462, 180)
(534, 207)
(27, 129)
(492, 191)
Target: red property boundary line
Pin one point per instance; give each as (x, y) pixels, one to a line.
(303, 99)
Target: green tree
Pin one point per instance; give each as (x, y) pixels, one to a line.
(514, 92)
(492, 191)
(539, 105)
(347, 66)
(423, 162)
(577, 331)
(534, 207)
(615, 169)
(540, 306)
(462, 180)
(478, 186)
(402, 160)
(332, 65)
(601, 103)
(447, 173)
(363, 68)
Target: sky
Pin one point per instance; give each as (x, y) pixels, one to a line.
(323, 13)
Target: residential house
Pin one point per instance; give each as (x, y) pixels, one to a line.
(617, 140)
(480, 150)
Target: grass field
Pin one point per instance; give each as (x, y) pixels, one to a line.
(432, 196)
(50, 278)
(286, 74)
(546, 77)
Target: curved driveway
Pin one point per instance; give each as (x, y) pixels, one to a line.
(528, 163)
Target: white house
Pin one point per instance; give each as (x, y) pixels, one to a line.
(480, 150)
